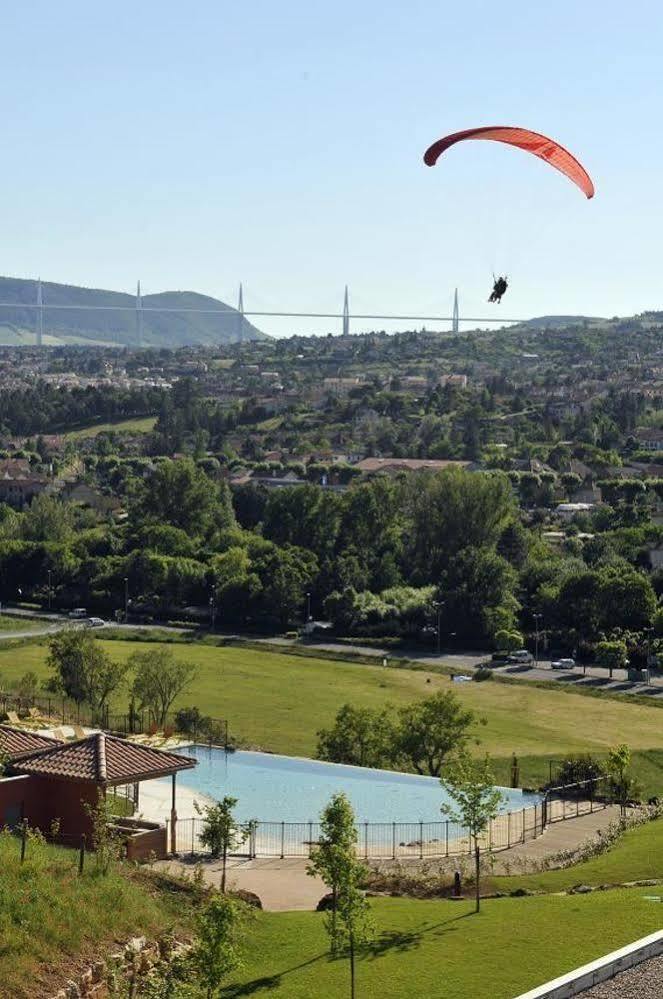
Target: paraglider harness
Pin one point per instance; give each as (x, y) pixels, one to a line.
(500, 285)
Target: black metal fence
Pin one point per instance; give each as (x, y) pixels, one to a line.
(412, 840)
(54, 711)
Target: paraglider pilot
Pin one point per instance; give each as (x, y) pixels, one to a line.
(499, 287)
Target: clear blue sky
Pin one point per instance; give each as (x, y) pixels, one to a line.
(196, 145)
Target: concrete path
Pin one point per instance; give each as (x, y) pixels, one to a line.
(284, 885)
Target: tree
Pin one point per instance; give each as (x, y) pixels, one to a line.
(478, 586)
(216, 953)
(360, 737)
(455, 510)
(159, 679)
(430, 729)
(82, 669)
(623, 785)
(285, 574)
(471, 785)
(180, 494)
(611, 655)
(335, 860)
(338, 835)
(221, 832)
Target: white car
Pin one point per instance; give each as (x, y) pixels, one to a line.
(78, 613)
(521, 656)
(563, 664)
(95, 622)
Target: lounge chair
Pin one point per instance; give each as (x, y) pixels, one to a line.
(59, 734)
(34, 713)
(79, 733)
(13, 718)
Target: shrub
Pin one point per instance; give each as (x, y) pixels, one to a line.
(189, 720)
(482, 673)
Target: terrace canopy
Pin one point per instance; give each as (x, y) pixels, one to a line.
(99, 762)
(19, 742)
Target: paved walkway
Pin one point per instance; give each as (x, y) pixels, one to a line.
(284, 885)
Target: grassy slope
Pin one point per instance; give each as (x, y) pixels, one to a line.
(50, 918)
(279, 702)
(637, 856)
(138, 425)
(441, 950)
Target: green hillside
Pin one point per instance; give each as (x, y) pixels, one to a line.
(116, 324)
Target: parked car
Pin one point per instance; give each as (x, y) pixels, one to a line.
(95, 622)
(78, 613)
(563, 664)
(499, 658)
(521, 656)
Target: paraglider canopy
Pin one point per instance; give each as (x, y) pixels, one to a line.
(532, 142)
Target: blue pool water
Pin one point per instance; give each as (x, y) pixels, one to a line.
(289, 789)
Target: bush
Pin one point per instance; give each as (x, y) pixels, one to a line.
(189, 720)
(482, 673)
(578, 768)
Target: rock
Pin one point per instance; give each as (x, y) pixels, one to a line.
(135, 945)
(581, 890)
(72, 990)
(98, 971)
(326, 903)
(248, 897)
(520, 892)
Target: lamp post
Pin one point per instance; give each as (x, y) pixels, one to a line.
(537, 618)
(212, 610)
(126, 599)
(50, 573)
(439, 604)
(308, 607)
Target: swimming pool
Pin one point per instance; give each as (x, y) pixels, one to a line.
(290, 789)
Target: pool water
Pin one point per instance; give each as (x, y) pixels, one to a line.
(290, 789)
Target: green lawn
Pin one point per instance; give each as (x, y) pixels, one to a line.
(8, 623)
(51, 920)
(442, 950)
(138, 425)
(637, 856)
(278, 702)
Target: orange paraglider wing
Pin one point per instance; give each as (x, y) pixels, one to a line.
(532, 142)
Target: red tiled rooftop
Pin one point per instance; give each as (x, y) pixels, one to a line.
(17, 742)
(104, 759)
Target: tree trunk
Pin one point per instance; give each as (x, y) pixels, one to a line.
(477, 868)
(352, 967)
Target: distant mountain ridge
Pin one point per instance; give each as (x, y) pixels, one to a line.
(116, 323)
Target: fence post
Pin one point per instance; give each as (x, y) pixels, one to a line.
(446, 852)
(421, 840)
(282, 840)
(490, 835)
(81, 855)
(24, 838)
(508, 830)
(523, 825)
(310, 837)
(365, 840)
(393, 841)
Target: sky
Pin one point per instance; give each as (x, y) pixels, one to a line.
(198, 145)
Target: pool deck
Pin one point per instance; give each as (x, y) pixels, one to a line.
(283, 885)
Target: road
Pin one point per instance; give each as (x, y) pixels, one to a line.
(590, 677)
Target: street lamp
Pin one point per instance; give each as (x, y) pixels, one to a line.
(212, 610)
(126, 599)
(308, 607)
(536, 617)
(439, 604)
(50, 573)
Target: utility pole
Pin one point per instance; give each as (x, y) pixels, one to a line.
(40, 315)
(346, 313)
(139, 316)
(455, 322)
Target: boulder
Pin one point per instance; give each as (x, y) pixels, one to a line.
(248, 897)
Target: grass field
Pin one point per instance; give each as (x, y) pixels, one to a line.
(278, 702)
(442, 950)
(139, 425)
(50, 919)
(8, 623)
